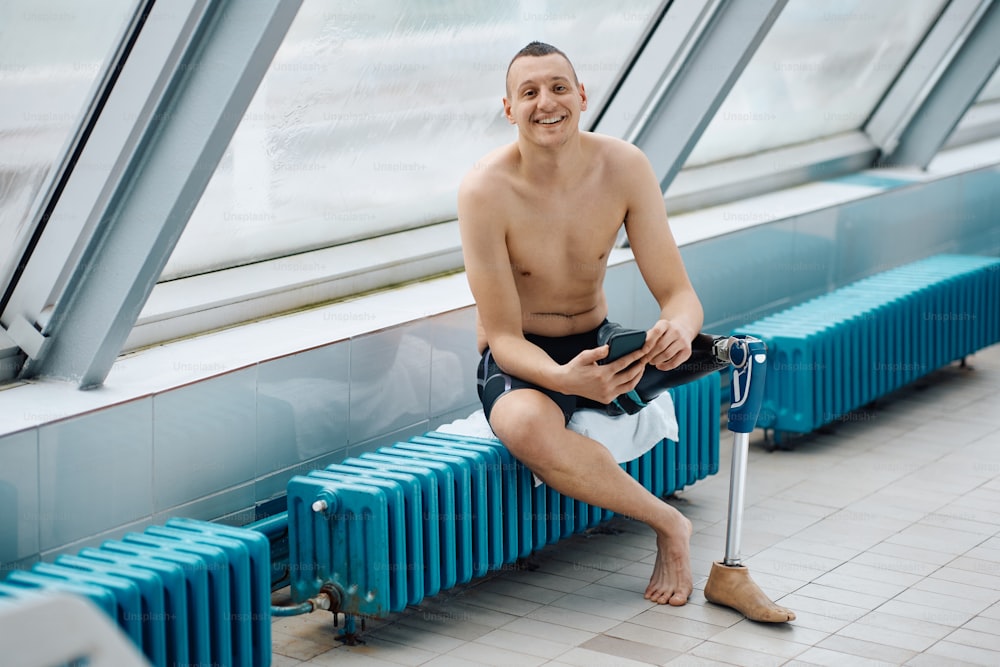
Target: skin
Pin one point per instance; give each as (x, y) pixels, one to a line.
(538, 219)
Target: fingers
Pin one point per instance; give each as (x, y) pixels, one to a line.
(628, 360)
(603, 382)
(628, 371)
(671, 356)
(592, 356)
(623, 373)
(596, 354)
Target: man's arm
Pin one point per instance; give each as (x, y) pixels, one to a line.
(491, 279)
(659, 261)
(488, 270)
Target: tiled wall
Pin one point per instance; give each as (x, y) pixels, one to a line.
(748, 274)
(216, 448)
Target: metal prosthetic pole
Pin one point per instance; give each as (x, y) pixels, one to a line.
(729, 582)
(734, 527)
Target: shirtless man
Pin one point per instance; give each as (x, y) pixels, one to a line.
(538, 218)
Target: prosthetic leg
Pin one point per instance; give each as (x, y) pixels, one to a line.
(729, 581)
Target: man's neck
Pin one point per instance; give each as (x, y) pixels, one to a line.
(555, 165)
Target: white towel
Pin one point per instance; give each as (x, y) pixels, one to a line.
(626, 436)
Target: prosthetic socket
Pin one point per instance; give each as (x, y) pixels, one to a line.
(709, 354)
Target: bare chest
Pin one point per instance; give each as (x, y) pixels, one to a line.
(562, 242)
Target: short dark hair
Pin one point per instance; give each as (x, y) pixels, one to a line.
(538, 49)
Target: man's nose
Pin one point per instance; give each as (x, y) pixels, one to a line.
(545, 99)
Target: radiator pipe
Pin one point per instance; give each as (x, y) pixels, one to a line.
(306, 607)
(328, 599)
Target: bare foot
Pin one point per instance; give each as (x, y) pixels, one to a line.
(670, 582)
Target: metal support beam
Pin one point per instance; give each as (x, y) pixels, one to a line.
(635, 83)
(939, 84)
(180, 137)
(698, 51)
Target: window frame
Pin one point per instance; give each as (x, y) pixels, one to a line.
(70, 323)
(634, 110)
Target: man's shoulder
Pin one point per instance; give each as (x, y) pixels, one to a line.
(612, 147)
(495, 162)
(484, 174)
(481, 192)
(618, 160)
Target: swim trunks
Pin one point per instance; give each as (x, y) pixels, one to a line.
(493, 382)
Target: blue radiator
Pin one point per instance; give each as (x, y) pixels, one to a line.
(836, 353)
(187, 593)
(390, 527)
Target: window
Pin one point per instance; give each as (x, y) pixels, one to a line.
(371, 113)
(819, 72)
(981, 120)
(991, 91)
(51, 54)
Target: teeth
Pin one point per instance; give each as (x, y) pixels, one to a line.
(549, 121)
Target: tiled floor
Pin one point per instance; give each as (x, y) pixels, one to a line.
(883, 535)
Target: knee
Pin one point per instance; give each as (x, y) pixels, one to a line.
(518, 426)
(527, 428)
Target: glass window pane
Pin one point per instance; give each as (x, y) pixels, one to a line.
(51, 53)
(991, 91)
(820, 71)
(371, 113)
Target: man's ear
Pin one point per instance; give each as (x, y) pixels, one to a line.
(583, 98)
(506, 112)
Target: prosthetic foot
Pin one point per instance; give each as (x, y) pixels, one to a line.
(729, 582)
(731, 586)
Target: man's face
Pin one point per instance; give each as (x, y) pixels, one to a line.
(544, 100)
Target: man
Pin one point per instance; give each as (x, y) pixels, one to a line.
(538, 219)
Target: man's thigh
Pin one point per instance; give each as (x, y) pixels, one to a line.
(494, 384)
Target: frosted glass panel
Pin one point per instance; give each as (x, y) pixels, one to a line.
(991, 91)
(371, 113)
(820, 71)
(51, 52)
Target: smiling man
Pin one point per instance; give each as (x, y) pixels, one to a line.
(538, 219)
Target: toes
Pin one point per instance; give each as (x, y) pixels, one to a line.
(667, 597)
(657, 597)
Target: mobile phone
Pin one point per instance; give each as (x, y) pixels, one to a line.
(622, 343)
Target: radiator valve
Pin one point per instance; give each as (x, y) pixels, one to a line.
(323, 502)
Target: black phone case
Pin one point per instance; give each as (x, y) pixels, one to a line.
(620, 344)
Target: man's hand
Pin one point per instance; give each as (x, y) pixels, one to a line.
(583, 376)
(667, 345)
